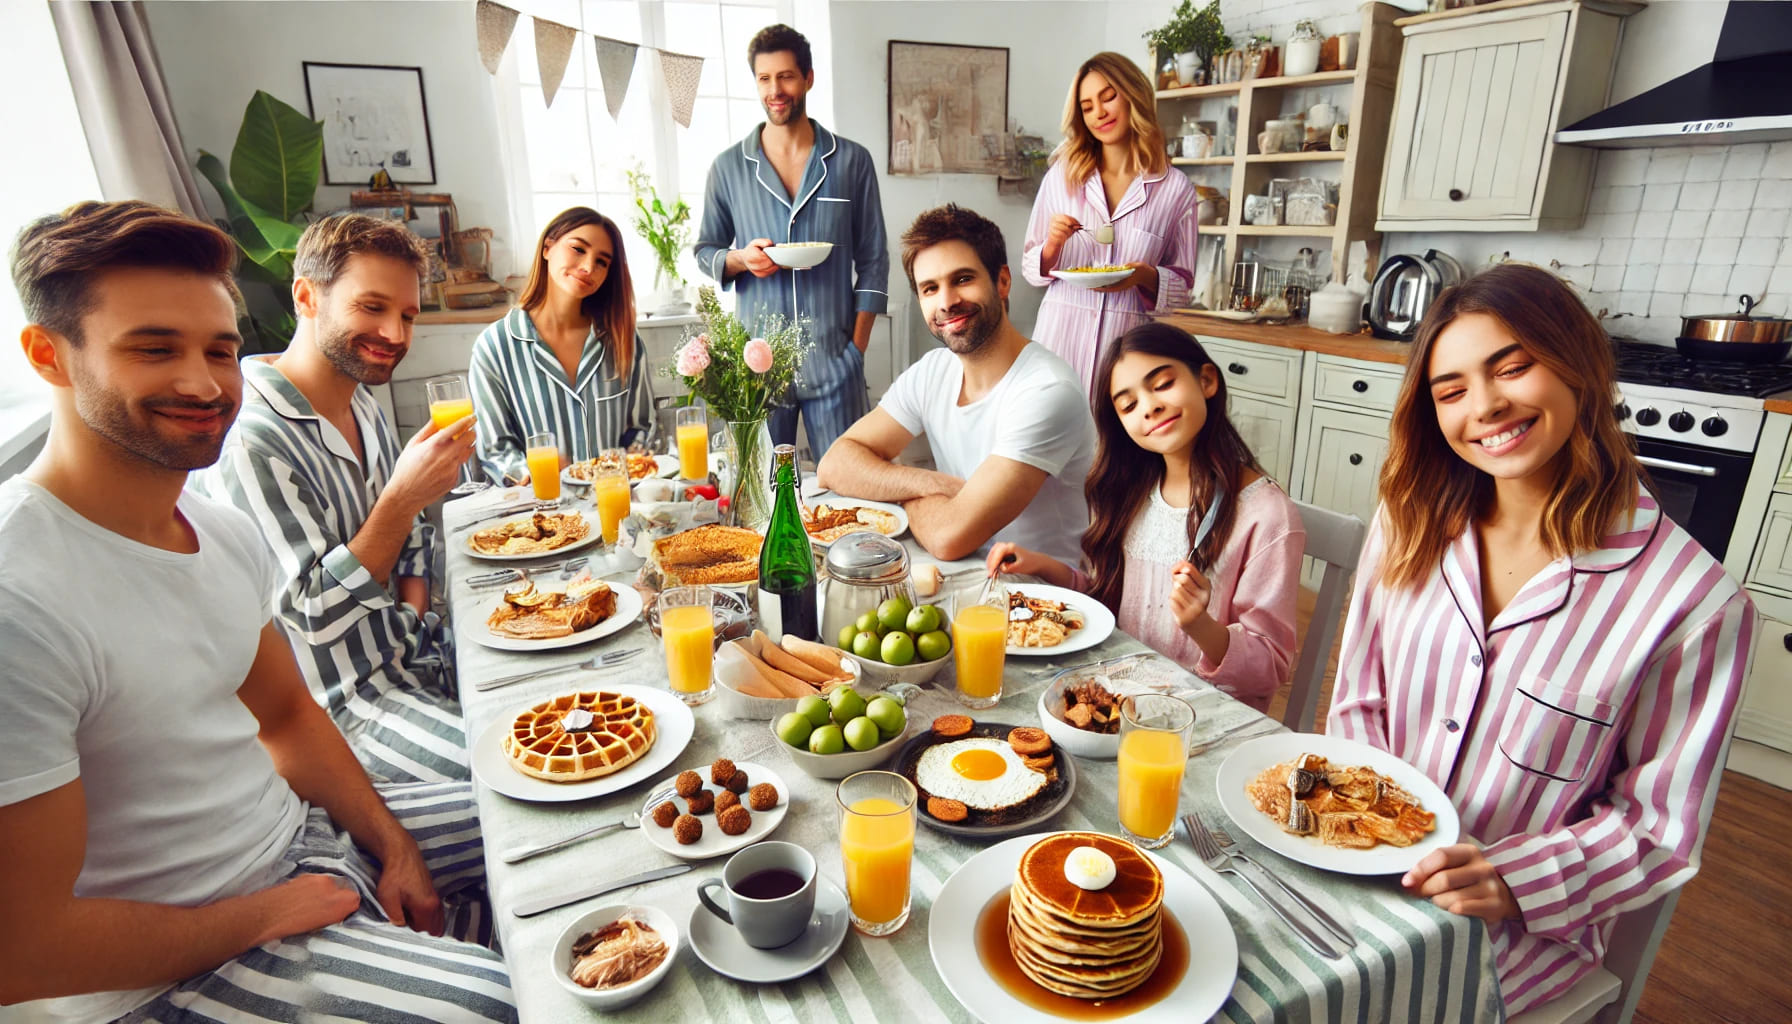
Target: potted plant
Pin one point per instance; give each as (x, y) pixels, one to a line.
(1192, 35)
(666, 229)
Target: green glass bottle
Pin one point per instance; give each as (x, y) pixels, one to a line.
(787, 580)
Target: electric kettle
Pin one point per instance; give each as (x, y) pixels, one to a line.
(1404, 288)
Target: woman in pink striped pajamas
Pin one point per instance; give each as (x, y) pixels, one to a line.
(1110, 198)
(1534, 634)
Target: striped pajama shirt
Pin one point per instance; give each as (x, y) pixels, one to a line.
(519, 388)
(383, 673)
(837, 201)
(365, 968)
(1576, 734)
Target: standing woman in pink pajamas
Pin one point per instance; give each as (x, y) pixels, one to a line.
(1110, 198)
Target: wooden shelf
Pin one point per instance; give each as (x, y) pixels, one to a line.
(1288, 230)
(1343, 77)
(1205, 161)
(1192, 92)
(1293, 158)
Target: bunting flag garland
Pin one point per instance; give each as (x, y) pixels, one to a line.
(496, 23)
(553, 48)
(682, 72)
(615, 63)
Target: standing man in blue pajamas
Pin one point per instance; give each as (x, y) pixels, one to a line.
(792, 180)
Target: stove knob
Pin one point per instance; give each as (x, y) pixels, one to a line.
(1681, 422)
(1623, 411)
(1714, 427)
(1647, 416)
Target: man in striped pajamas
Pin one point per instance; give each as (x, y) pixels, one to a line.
(184, 835)
(792, 180)
(313, 460)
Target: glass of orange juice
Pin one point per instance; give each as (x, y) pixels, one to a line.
(688, 631)
(877, 844)
(1154, 735)
(609, 490)
(691, 424)
(543, 453)
(980, 647)
(449, 403)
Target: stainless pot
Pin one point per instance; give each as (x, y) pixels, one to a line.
(1740, 338)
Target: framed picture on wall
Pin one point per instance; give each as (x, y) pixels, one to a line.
(374, 116)
(948, 108)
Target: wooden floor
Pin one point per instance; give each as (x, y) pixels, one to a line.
(1727, 957)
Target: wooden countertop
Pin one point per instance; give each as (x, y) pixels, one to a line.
(1780, 403)
(1296, 336)
(487, 315)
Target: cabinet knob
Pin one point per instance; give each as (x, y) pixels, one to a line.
(1789, 641)
(1237, 369)
(1456, 195)
(1355, 459)
(1359, 386)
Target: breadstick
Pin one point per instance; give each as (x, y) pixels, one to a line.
(786, 684)
(778, 658)
(819, 656)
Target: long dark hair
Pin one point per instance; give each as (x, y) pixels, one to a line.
(1124, 474)
(612, 307)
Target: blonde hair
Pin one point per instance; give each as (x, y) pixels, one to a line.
(1081, 150)
(612, 307)
(1430, 495)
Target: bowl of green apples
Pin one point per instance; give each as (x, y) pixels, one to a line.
(845, 732)
(898, 643)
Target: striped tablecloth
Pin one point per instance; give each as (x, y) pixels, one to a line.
(1412, 963)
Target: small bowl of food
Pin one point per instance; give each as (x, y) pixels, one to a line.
(1082, 716)
(841, 734)
(1093, 277)
(612, 956)
(799, 255)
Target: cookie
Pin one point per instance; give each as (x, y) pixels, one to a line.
(688, 784)
(701, 803)
(947, 810)
(721, 771)
(763, 797)
(952, 726)
(665, 814)
(1029, 741)
(687, 830)
(734, 820)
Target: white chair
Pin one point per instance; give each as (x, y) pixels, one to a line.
(1337, 540)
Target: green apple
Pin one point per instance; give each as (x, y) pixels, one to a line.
(827, 740)
(924, 619)
(887, 714)
(933, 646)
(816, 710)
(794, 728)
(865, 645)
(893, 613)
(847, 705)
(847, 632)
(861, 733)
(898, 648)
(866, 623)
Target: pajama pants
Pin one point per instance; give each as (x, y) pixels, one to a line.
(825, 417)
(365, 969)
(402, 732)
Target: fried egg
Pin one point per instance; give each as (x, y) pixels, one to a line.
(979, 772)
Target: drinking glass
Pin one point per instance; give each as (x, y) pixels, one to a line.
(449, 403)
(877, 844)
(688, 630)
(543, 454)
(980, 647)
(609, 490)
(692, 427)
(1154, 735)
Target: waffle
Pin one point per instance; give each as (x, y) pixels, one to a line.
(541, 532)
(539, 746)
(1087, 944)
(708, 554)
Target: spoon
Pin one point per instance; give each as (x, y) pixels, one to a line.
(519, 854)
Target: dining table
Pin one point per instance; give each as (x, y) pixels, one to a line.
(1412, 961)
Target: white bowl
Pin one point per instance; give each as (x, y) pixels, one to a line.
(1092, 745)
(622, 995)
(800, 255)
(877, 675)
(735, 704)
(848, 761)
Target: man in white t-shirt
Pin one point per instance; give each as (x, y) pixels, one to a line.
(183, 831)
(1008, 421)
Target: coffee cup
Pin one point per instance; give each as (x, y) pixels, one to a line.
(769, 892)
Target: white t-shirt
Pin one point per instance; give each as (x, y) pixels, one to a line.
(119, 665)
(1037, 414)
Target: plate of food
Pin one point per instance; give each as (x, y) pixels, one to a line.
(715, 809)
(545, 753)
(1080, 925)
(798, 255)
(1366, 811)
(531, 535)
(641, 465)
(532, 617)
(830, 520)
(986, 779)
(1099, 276)
(1045, 621)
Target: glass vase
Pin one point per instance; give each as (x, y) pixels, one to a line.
(750, 491)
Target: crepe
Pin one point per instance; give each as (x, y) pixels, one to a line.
(1039, 621)
(541, 532)
(527, 613)
(827, 524)
(1353, 808)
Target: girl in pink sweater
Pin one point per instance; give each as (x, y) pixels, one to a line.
(1167, 452)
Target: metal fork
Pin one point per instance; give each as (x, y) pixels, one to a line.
(606, 660)
(509, 510)
(1323, 914)
(572, 567)
(1292, 914)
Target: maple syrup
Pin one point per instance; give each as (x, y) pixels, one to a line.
(992, 949)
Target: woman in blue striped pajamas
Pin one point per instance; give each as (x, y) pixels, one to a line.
(556, 362)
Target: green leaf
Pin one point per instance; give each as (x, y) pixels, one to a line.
(278, 157)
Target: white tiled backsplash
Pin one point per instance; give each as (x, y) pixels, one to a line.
(1670, 232)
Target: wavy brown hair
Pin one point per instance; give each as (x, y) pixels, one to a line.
(1430, 495)
(1081, 150)
(1124, 474)
(612, 307)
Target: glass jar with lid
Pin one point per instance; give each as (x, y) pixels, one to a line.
(864, 570)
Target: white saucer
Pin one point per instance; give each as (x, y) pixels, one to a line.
(718, 945)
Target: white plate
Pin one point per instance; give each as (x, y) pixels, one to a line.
(665, 467)
(713, 842)
(718, 945)
(952, 939)
(628, 610)
(1092, 280)
(1098, 622)
(672, 721)
(797, 257)
(1251, 757)
(592, 536)
(834, 501)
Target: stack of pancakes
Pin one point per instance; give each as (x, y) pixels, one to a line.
(1088, 944)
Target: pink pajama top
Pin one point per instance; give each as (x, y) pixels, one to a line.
(1576, 734)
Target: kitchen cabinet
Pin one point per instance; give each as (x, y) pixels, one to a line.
(1760, 554)
(1479, 98)
(1345, 451)
(1767, 700)
(1269, 431)
(1263, 391)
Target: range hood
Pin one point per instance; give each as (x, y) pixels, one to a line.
(1743, 95)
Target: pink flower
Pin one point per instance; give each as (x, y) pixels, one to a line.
(758, 355)
(693, 358)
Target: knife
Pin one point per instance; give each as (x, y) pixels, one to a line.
(529, 908)
(1207, 519)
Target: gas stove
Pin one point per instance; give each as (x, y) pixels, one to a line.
(1703, 403)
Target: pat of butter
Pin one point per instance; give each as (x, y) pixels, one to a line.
(1089, 868)
(577, 720)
